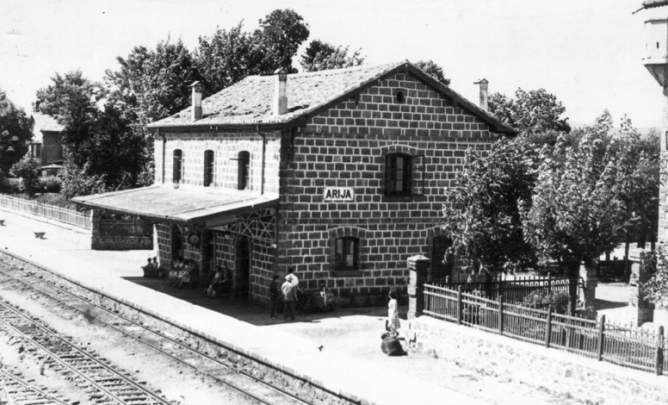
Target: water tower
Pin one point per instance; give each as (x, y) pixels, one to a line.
(656, 62)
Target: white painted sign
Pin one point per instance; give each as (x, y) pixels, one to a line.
(339, 194)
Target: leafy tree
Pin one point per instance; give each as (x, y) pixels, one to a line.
(280, 35)
(227, 57)
(28, 170)
(15, 133)
(151, 84)
(530, 112)
(230, 55)
(73, 101)
(321, 55)
(77, 181)
(97, 137)
(433, 69)
(482, 216)
(578, 210)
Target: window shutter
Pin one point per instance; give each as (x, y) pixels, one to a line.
(388, 174)
(418, 172)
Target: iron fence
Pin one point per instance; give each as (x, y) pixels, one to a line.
(513, 290)
(630, 347)
(56, 213)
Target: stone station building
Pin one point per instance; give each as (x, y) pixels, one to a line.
(339, 174)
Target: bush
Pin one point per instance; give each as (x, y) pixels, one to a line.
(28, 170)
(541, 299)
(49, 184)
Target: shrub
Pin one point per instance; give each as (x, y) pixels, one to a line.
(541, 299)
(28, 170)
(49, 184)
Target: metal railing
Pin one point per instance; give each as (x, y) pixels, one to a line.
(630, 347)
(514, 290)
(64, 215)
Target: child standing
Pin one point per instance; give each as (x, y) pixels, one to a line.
(393, 312)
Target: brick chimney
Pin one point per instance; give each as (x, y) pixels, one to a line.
(281, 94)
(483, 93)
(196, 101)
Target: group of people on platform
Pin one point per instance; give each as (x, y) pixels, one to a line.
(289, 292)
(152, 269)
(181, 274)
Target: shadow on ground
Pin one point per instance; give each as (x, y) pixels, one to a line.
(251, 312)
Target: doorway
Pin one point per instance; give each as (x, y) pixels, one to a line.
(208, 256)
(441, 266)
(243, 262)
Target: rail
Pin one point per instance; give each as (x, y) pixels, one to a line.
(60, 214)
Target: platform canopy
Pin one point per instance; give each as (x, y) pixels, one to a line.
(184, 205)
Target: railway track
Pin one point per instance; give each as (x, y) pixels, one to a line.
(103, 383)
(202, 361)
(17, 391)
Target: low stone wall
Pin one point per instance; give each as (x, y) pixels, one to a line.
(119, 234)
(551, 370)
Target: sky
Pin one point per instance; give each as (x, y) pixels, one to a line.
(587, 53)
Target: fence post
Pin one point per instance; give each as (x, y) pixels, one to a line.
(459, 305)
(659, 352)
(548, 332)
(601, 338)
(500, 314)
(549, 283)
(418, 268)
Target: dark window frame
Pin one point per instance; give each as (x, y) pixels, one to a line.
(343, 247)
(243, 170)
(177, 165)
(398, 181)
(209, 166)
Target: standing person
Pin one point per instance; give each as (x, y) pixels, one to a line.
(291, 273)
(148, 269)
(273, 295)
(289, 289)
(393, 312)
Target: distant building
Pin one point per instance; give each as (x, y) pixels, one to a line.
(339, 174)
(46, 146)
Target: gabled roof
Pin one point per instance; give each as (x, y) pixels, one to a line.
(249, 102)
(44, 123)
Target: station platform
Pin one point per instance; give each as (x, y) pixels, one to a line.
(339, 351)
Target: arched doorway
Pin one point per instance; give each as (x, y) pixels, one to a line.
(243, 260)
(441, 266)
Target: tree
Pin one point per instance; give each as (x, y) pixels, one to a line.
(15, 133)
(73, 101)
(530, 112)
(151, 84)
(280, 35)
(578, 210)
(97, 138)
(227, 57)
(28, 170)
(482, 216)
(321, 55)
(77, 181)
(434, 70)
(230, 55)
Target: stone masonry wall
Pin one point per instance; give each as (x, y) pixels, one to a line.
(561, 374)
(226, 147)
(345, 147)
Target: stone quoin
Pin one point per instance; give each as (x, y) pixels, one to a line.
(339, 174)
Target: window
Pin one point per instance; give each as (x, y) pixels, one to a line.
(404, 175)
(208, 168)
(177, 170)
(346, 254)
(398, 174)
(399, 96)
(243, 169)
